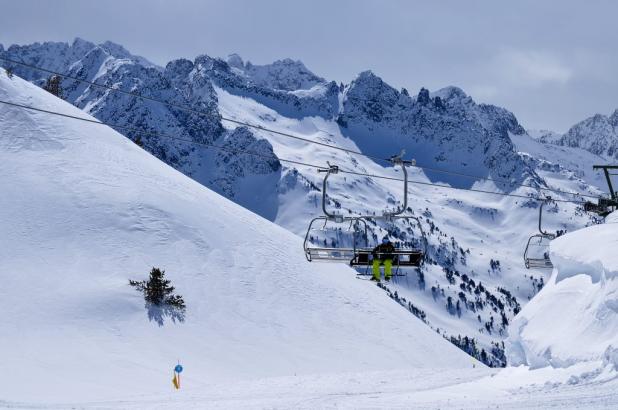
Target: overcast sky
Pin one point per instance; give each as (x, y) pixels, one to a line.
(552, 63)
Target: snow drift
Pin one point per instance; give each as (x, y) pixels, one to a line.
(575, 317)
(83, 210)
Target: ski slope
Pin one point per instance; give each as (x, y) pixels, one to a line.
(84, 210)
(488, 227)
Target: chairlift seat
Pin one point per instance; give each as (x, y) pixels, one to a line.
(536, 255)
(329, 254)
(401, 257)
(534, 263)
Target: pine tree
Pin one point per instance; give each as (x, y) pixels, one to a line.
(157, 290)
(9, 72)
(52, 85)
(138, 141)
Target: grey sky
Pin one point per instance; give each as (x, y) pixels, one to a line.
(552, 63)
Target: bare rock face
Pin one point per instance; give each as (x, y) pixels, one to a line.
(446, 129)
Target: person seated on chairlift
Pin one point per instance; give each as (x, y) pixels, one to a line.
(383, 254)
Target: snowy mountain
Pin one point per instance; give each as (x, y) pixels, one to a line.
(597, 134)
(446, 130)
(474, 281)
(109, 211)
(284, 74)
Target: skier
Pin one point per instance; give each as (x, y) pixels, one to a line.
(383, 254)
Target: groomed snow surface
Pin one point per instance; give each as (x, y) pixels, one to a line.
(83, 210)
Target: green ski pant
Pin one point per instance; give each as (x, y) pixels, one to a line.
(388, 268)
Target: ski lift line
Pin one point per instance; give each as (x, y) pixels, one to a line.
(464, 189)
(158, 134)
(189, 109)
(281, 133)
(318, 167)
(539, 241)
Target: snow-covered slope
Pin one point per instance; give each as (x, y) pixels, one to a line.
(560, 161)
(83, 210)
(575, 317)
(476, 241)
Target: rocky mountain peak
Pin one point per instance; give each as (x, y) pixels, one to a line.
(234, 60)
(473, 138)
(613, 119)
(286, 74)
(423, 97)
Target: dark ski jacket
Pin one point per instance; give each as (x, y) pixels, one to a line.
(383, 251)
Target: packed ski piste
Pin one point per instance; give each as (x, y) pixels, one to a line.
(191, 236)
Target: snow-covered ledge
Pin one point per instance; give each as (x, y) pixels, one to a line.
(575, 317)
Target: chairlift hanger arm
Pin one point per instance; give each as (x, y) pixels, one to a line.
(332, 169)
(547, 200)
(398, 160)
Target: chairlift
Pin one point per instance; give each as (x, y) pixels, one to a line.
(356, 249)
(407, 254)
(333, 237)
(536, 255)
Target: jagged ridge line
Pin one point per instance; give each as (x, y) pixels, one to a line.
(259, 127)
(235, 151)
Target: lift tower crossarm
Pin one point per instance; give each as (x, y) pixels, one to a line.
(606, 169)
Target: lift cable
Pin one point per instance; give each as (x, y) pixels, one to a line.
(288, 135)
(271, 157)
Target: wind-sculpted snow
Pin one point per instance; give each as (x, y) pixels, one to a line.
(575, 317)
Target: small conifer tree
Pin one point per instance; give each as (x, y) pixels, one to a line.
(9, 72)
(157, 290)
(138, 141)
(52, 85)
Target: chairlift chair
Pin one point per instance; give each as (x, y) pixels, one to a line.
(316, 250)
(357, 252)
(403, 256)
(536, 255)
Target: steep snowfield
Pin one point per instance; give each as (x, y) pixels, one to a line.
(575, 317)
(83, 210)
